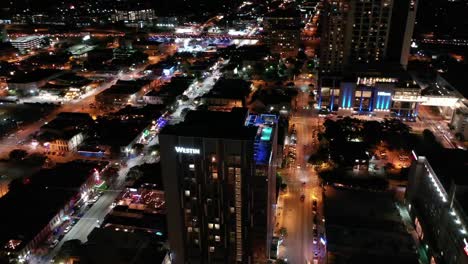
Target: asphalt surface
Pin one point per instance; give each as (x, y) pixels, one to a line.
(297, 216)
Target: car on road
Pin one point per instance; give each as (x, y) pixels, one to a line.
(302, 197)
(314, 241)
(54, 243)
(67, 229)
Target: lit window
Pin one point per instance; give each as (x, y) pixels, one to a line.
(191, 167)
(213, 159)
(217, 238)
(212, 249)
(210, 225)
(187, 193)
(189, 229)
(214, 175)
(216, 226)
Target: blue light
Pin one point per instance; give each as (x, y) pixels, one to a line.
(388, 103)
(378, 102)
(159, 233)
(349, 98)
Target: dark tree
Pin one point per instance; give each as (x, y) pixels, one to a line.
(18, 154)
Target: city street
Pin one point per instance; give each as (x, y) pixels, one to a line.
(300, 245)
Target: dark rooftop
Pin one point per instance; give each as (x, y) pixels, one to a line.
(451, 167)
(229, 88)
(109, 246)
(457, 77)
(33, 76)
(41, 197)
(213, 124)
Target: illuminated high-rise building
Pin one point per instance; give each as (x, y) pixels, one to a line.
(219, 176)
(366, 32)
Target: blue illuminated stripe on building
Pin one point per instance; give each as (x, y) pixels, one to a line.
(388, 102)
(377, 105)
(349, 97)
(344, 99)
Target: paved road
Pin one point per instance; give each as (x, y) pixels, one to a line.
(297, 216)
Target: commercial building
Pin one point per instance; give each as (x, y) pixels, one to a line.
(66, 132)
(26, 43)
(141, 206)
(219, 176)
(123, 92)
(437, 200)
(379, 90)
(40, 204)
(133, 15)
(226, 94)
(168, 93)
(362, 32)
(105, 245)
(29, 83)
(283, 31)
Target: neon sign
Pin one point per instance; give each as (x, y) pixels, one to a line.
(187, 150)
(384, 94)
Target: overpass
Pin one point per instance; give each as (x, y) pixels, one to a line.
(430, 100)
(224, 37)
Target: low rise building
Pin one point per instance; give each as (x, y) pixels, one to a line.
(110, 246)
(66, 132)
(29, 83)
(39, 205)
(123, 92)
(227, 94)
(168, 93)
(364, 227)
(142, 205)
(388, 91)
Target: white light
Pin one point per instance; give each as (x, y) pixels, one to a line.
(187, 150)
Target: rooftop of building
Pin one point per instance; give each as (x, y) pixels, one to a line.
(124, 216)
(41, 196)
(457, 78)
(119, 132)
(211, 124)
(121, 89)
(229, 88)
(151, 178)
(175, 87)
(33, 76)
(106, 245)
(67, 121)
(284, 13)
(25, 39)
(366, 224)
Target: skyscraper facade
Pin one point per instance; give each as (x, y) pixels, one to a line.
(366, 32)
(283, 30)
(219, 186)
